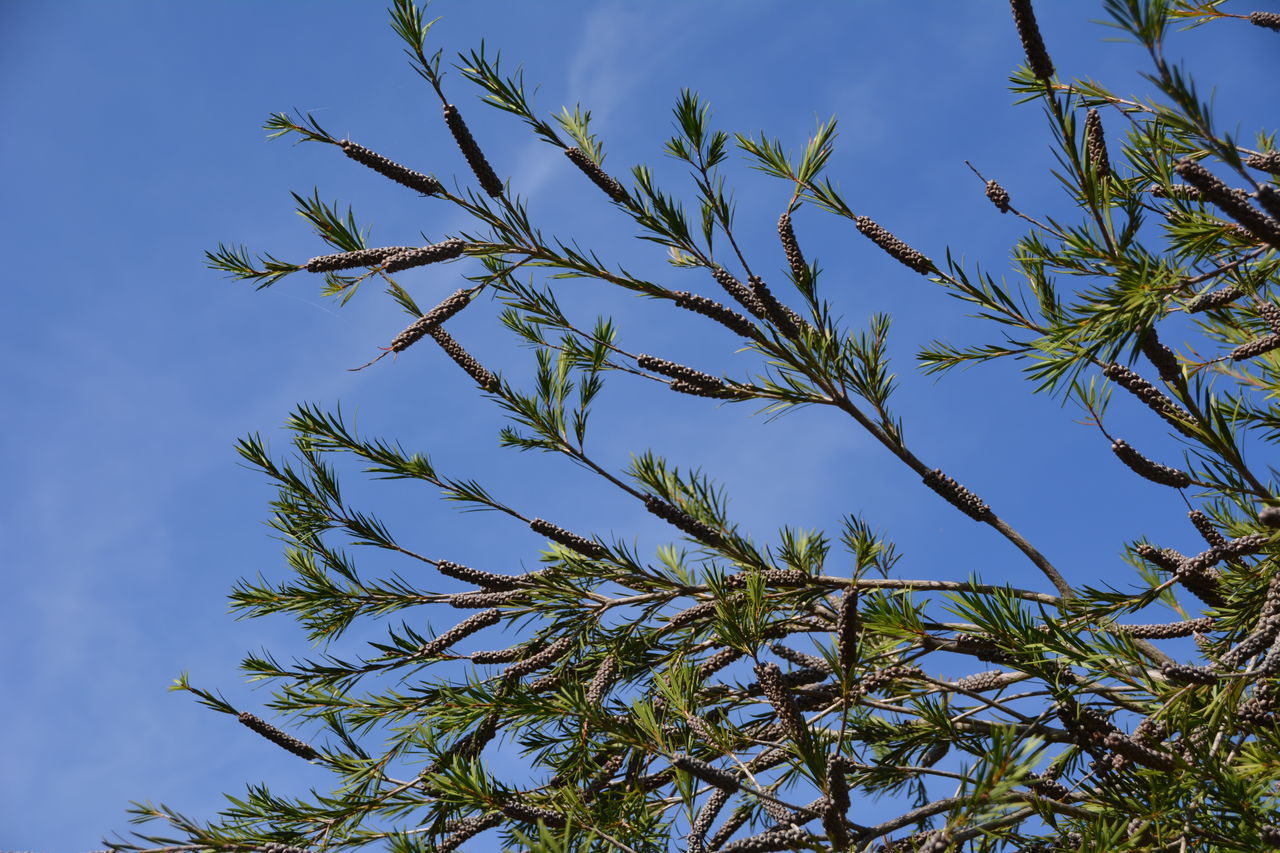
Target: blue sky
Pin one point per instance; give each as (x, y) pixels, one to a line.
(133, 144)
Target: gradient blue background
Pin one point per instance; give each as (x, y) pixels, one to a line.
(132, 144)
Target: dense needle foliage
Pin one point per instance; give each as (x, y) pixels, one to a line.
(721, 695)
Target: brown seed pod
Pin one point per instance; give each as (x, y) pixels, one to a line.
(602, 681)
(592, 170)
(718, 391)
(1255, 347)
(1206, 529)
(1087, 726)
(791, 248)
(285, 741)
(473, 600)
(795, 678)
(1166, 408)
(1230, 202)
(848, 627)
(739, 291)
(1043, 786)
(549, 655)
(703, 820)
(998, 195)
(1270, 20)
(886, 677)
(980, 682)
(1267, 161)
(1096, 144)
(499, 655)
(774, 840)
(788, 322)
(521, 809)
(1269, 516)
(681, 520)
(475, 157)
(351, 260)
(1271, 833)
(674, 370)
(1165, 558)
(1269, 197)
(1188, 674)
(774, 687)
(607, 771)
(895, 247)
(957, 495)
(1269, 312)
(388, 168)
(1165, 631)
(1024, 17)
(1175, 191)
(421, 327)
(464, 359)
(1140, 754)
(771, 577)
(466, 829)
(1211, 299)
(1144, 467)
(717, 662)
(1164, 359)
(462, 630)
(276, 847)
(550, 681)
(423, 255)
(572, 541)
(690, 615)
(488, 580)
(730, 319)
(704, 771)
(799, 658)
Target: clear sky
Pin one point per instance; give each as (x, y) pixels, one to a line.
(132, 143)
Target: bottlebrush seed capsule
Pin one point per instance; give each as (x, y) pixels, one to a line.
(544, 658)
(681, 520)
(998, 195)
(1211, 299)
(1269, 516)
(276, 736)
(1204, 526)
(1269, 197)
(351, 260)
(691, 614)
(718, 391)
(499, 655)
(1163, 358)
(1230, 202)
(837, 785)
(1167, 630)
(523, 810)
(430, 320)
(1046, 787)
(703, 820)
(602, 682)
(607, 771)
(276, 847)
(799, 658)
(1140, 754)
(1144, 467)
(704, 771)
(1096, 143)
(462, 630)
(466, 829)
(1270, 20)
(899, 250)
(775, 690)
(728, 828)
(957, 495)
(472, 600)
(475, 157)
(771, 578)
(463, 359)
(592, 170)
(980, 682)
(768, 842)
(791, 248)
(388, 168)
(1175, 191)
(1255, 347)
(1188, 674)
(423, 255)
(1024, 17)
(1166, 559)
(550, 681)
(674, 370)
(717, 662)
(727, 317)
(848, 627)
(787, 321)
(1267, 161)
(740, 292)
(1166, 408)
(573, 541)
(488, 580)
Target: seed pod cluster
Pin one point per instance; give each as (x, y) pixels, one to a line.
(1163, 358)
(1271, 833)
(1139, 754)
(1269, 197)
(602, 681)
(1269, 516)
(980, 682)
(848, 627)
(703, 820)
(607, 771)
(1270, 20)
(937, 841)
(285, 741)
(1173, 414)
(488, 580)
(957, 495)
(681, 520)
(795, 678)
(523, 810)
(704, 771)
(717, 662)
(674, 370)
(1165, 558)
(772, 577)
(1204, 526)
(788, 322)
(466, 829)
(774, 840)
(774, 687)
(351, 260)
(388, 168)
(727, 317)
(1255, 347)
(1024, 17)
(1175, 191)
(1188, 674)
(1165, 631)
(982, 646)
(550, 681)
(464, 359)
(1087, 726)
(473, 600)
(423, 255)
(573, 541)
(592, 170)
(539, 660)
(1212, 299)
(454, 303)
(1043, 786)
(499, 655)
(1096, 143)
(886, 676)
(998, 195)
(1263, 634)
(717, 391)
(475, 157)
(1266, 161)
(791, 248)
(277, 847)
(739, 291)
(691, 614)
(1230, 202)
(1144, 467)
(461, 631)
(799, 658)
(899, 250)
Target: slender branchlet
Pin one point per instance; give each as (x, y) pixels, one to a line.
(1173, 414)
(1096, 143)
(351, 260)
(1163, 358)
(484, 173)
(461, 631)
(727, 317)
(400, 174)
(899, 250)
(1144, 467)
(1270, 20)
(787, 320)
(423, 255)
(279, 738)
(430, 320)
(957, 495)
(464, 359)
(573, 541)
(998, 195)
(592, 170)
(1211, 299)
(739, 291)
(1256, 347)
(1024, 17)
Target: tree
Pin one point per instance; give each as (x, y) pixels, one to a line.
(746, 696)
